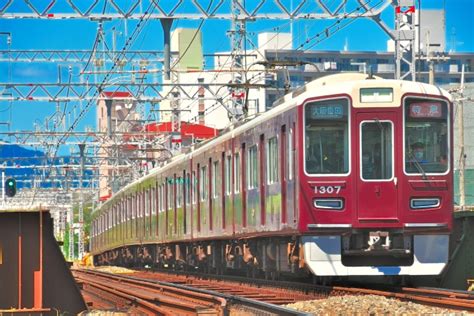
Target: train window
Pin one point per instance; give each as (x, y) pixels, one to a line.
(115, 209)
(203, 184)
(134, 206)
(252, 168)
(179, 193)
(290, 154)
(147, 202)
(327, 137)
(127, 208)
(228, 175)
(188, 189)
(272, 160)
(153, 201)
(169, 191)
(112, 216)
(215, 170)
(237, 182)
(194, 186)
(158, 198)
(120, 210)
(137, 205)
(426, 136)
(376, 139)
(162, 197)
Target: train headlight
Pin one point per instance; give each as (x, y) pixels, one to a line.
(423, 203)
(329, 204)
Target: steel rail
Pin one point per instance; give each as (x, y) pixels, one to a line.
(459, 300)
(228, 300)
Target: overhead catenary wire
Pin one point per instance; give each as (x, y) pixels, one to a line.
(323, 35)
(84, 110)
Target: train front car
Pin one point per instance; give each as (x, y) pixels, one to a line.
(376, 194)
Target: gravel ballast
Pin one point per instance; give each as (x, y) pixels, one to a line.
(369, 305)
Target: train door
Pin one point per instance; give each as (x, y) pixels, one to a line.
(283, 159)
(244, 186)
(262, 181)
(376, 178)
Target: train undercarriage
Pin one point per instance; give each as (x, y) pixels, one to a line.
(361, 253)
(267, 257)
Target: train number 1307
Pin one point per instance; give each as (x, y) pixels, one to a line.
(327, 189)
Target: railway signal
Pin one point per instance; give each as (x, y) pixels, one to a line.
(10, 187)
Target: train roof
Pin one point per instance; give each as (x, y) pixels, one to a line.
(337, 84)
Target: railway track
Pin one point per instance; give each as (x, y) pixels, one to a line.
(107, 291)
(281, 292)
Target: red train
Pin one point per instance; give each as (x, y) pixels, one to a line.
(347, 175)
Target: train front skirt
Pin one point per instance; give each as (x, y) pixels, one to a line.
(324, 258)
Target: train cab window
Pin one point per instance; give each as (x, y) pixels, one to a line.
(326, 137)
(376, 139)
(426, 136)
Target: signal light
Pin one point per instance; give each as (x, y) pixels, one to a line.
(10, 187)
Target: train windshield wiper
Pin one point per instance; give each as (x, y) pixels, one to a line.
(418, 165)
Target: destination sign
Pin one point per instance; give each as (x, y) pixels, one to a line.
(327, 111)
(426, 109)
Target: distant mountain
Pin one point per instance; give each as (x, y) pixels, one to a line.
(14, 155)
(17, 156)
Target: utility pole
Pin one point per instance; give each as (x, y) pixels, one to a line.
(175, 123)
(237, 35)
(81, 204)
(462, 155)
(432, 59)
(71, 233)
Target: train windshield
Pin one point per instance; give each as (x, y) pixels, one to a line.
(327, 137)
(426, 136)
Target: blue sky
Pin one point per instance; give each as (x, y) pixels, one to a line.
(50, 34)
